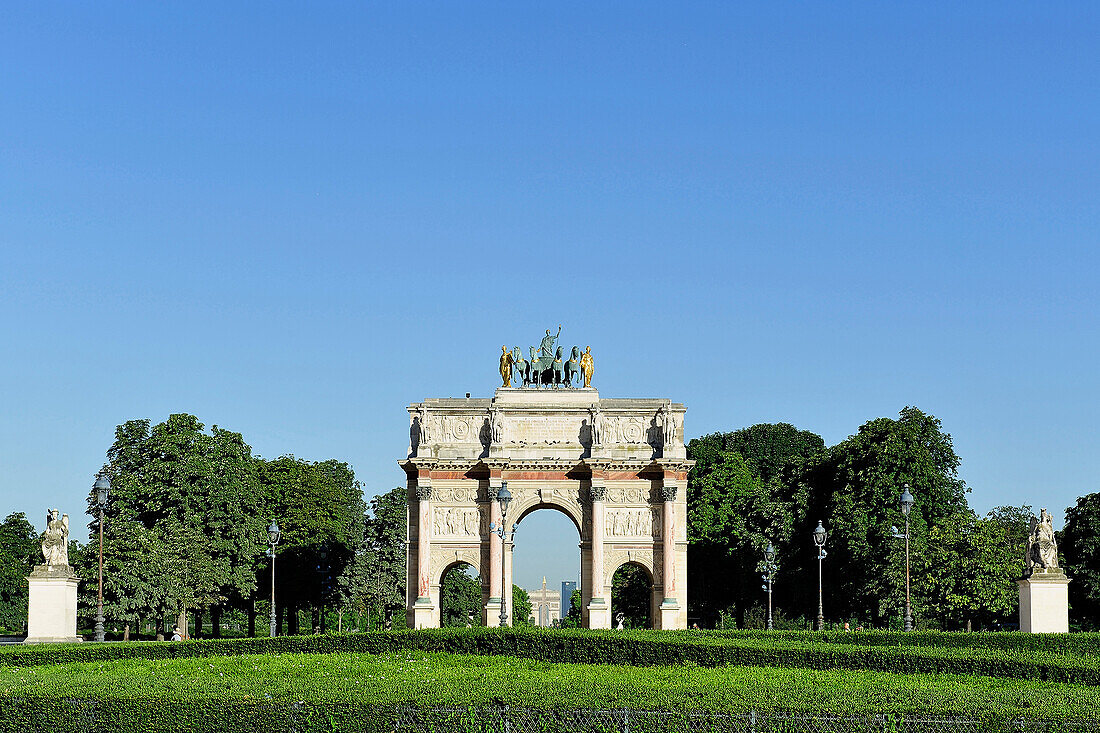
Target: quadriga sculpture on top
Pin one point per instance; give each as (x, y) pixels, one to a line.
(547, 366)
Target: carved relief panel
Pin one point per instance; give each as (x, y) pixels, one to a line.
(637, 522)
(456, 522)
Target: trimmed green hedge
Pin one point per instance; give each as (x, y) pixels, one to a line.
(312, 692)
(602, 647)
(1077, 643)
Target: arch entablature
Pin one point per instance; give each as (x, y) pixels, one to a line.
(445, 558)
(645, 557)
(565, 501)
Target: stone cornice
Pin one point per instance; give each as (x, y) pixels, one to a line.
(414, 466)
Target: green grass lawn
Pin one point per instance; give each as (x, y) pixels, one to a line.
(424, 679)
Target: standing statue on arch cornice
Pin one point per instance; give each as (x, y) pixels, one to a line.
(506, 362)
(587, 367)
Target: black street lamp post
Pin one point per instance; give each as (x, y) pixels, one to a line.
(770, 567)
(102, 488)
(820, 535)
(907, 502)
(504, 496)
(273, 536)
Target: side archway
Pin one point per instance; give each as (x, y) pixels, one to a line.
(446, 561)
(460, 596)
(634, 597)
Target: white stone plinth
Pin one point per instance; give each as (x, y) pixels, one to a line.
(51, 605)
(1044, 604)
(599, 614)
(669, 616)
(546, 396)
(422, 614)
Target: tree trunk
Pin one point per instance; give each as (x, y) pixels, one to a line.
(126, 633)
(292, 620)
(216, 621)
(198, 624)
(315, 620)
(181, 622)
(252, 617)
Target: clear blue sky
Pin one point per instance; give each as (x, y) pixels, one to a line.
(293, 219)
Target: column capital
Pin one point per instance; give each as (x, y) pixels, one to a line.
(668, 491)
(597, 492)
(423, 488)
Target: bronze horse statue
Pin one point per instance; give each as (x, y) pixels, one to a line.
(545, 370)
(573, 366)
(520, 367)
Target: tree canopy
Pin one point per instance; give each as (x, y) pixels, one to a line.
(19, 552)
(320, 510)
(185, 524)
(1080, 545)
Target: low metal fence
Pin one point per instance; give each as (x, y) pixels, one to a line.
(505, 719)
(273, 716)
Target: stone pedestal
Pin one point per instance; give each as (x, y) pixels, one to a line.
(1044, 603)
(422, 614)
(599, 614)
(668, 615)
(51, 606)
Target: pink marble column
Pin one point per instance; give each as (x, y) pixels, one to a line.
(496, 572)
(423, 545)
(598, 494)
(423, 612)
(668, 541)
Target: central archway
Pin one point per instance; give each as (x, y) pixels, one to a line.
(546, 554)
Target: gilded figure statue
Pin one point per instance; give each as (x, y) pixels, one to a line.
(506, 361)
(587, 367)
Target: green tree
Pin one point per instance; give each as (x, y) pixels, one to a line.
(184, 515)
(319, 508)
(732, 515)
(572, 619)
(765, 447)
(855, 487)
(966, 574)
(381, 590)
(459, 598)
(19, 552)
(521, 607)
(1080, 545)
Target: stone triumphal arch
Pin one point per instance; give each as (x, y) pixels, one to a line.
(616, 467)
